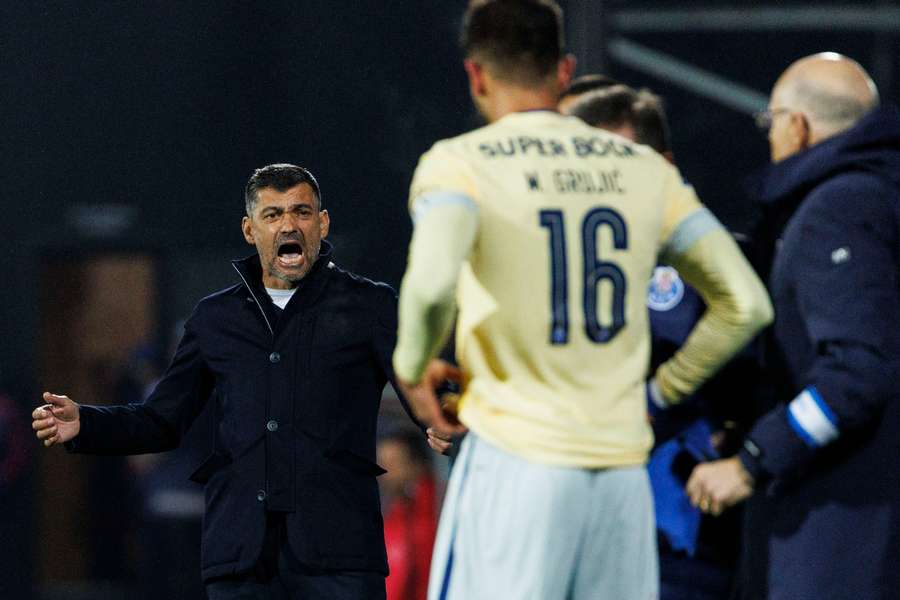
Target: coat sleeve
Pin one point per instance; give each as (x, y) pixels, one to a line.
(844, 275)
(157, 424)
(385, 340)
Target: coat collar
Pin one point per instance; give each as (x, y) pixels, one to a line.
(308, 290)
(873, 145)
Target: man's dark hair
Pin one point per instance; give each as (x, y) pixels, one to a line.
(587, 83)
(280, 177)
(521, 39)
(618, 105)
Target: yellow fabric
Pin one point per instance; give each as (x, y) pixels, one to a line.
(734, 296)
(441, 242)
(579, 403)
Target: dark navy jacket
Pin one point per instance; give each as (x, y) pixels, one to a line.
(297, 395)
(827, 458)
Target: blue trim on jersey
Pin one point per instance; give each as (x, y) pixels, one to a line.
(692, 228)
(426, 202)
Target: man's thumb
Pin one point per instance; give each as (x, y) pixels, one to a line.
(56, 401)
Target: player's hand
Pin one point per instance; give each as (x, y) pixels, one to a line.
(57, 421)
(423, 400)
(720, 484)
(439, 441)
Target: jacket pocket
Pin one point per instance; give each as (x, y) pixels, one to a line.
(354, 461)
(216, 461)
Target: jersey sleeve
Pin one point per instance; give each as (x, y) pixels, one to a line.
(442, 176)
(696, 244)
(684, 218)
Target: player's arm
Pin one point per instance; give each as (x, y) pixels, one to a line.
(445, 216)
(446, 224)
(708, 258)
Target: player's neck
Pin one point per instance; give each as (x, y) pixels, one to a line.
(508, 100)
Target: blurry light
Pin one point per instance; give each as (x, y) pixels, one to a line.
(102, 220)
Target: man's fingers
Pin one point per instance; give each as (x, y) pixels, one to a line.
(51, 441)
(452, 372)
(439, 370)
(39, 424)
(439, 421)
(438, 445)
(44, 434)
(55, 400)
(694, 487)
(432, 432)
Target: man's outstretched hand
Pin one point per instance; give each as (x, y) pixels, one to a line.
(57, 421)
(423, 400)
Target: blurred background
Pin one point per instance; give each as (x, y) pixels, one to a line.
(128, 132)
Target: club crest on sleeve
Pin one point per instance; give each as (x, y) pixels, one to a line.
(666, 289)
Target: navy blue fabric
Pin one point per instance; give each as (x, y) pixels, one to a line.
(834, 520)
(295, 416)
(705, 546)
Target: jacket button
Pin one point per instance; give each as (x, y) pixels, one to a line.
(274, 357)
(261, 495)
(272, 425)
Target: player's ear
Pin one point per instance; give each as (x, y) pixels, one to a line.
(475, 73)
(565, 70)
(247, 230)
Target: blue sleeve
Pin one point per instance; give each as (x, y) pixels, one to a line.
(845, 284)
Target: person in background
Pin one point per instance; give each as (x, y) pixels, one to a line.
(698, 553)
(581, 85)
(410, 508)
(825, 515)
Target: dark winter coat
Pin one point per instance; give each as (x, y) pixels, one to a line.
(297, 395)
(826, 459)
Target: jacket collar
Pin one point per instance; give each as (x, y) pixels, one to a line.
(873, 144)
(308, 290)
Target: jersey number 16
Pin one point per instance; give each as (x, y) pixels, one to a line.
(595, 271)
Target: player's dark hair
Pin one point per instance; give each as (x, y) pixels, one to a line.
(522, 40)
(587, 83)
(618, 105)
(280, 177)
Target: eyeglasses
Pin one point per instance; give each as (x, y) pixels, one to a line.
(764, 118)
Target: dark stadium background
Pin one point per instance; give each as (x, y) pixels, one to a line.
(128, 129)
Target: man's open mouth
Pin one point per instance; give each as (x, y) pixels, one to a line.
(290, 254)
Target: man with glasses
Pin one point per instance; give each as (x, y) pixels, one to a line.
(824, 462)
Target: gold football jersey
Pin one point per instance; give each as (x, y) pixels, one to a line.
(553, 329)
